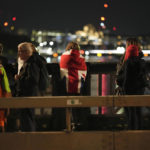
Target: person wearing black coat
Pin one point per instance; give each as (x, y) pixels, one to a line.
(8, 67)
(132, 79)
(27, 82)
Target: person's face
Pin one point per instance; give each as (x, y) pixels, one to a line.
(24, 53)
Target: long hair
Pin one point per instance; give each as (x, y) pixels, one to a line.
(72, 45)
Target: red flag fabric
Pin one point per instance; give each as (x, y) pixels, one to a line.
(73, 67)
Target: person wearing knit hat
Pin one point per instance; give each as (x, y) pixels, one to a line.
(131, 51)
(133, 64)
(132, 80)
(129, 41)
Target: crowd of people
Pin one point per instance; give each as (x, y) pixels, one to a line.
(30, 78)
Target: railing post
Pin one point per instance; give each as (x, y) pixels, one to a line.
(68, 119)
(99, 89)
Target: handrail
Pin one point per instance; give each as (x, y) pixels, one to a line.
(69, 102)
(74, 101)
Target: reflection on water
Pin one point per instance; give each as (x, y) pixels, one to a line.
(88, 59)
(102, 59)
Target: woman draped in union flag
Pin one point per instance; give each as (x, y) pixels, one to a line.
(73, 71)
(73, 68)
(4, 92)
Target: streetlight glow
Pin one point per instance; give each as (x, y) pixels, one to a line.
(103, 18)
(5, 24)
(14, 19)
(106, 5)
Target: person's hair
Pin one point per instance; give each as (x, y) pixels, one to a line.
(27, 45)
(72, 45)
(132, 41)
(1, 48)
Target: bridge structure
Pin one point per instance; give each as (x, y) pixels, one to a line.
(76, 140)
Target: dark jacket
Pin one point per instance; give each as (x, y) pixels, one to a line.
(39, 59)
(3, 60)
(27, 84)
(132, 76)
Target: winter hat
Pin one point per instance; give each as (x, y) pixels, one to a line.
(131, 51)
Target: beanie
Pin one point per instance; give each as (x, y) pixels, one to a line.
(131, 51)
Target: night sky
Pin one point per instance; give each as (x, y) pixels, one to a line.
(129, 16)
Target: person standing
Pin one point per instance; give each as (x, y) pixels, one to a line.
(8, 68)
(4, 92)
(27, 83)
(129, 41)
(3, 59)
(73, 72)
(41, 63)
(132, 80)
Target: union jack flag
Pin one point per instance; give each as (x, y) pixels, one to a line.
(73, 67)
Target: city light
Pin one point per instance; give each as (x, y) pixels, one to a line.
(102, 24)
(86, 52)
(5, 24)
(99, 54)
(48, 59)
(106, 5)
(103, 18)
(114, 28)
(41, 44)
(51, 43)
(82, 52)
(12, 28)
(55, 55)
(13, 18)
(146, 55)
